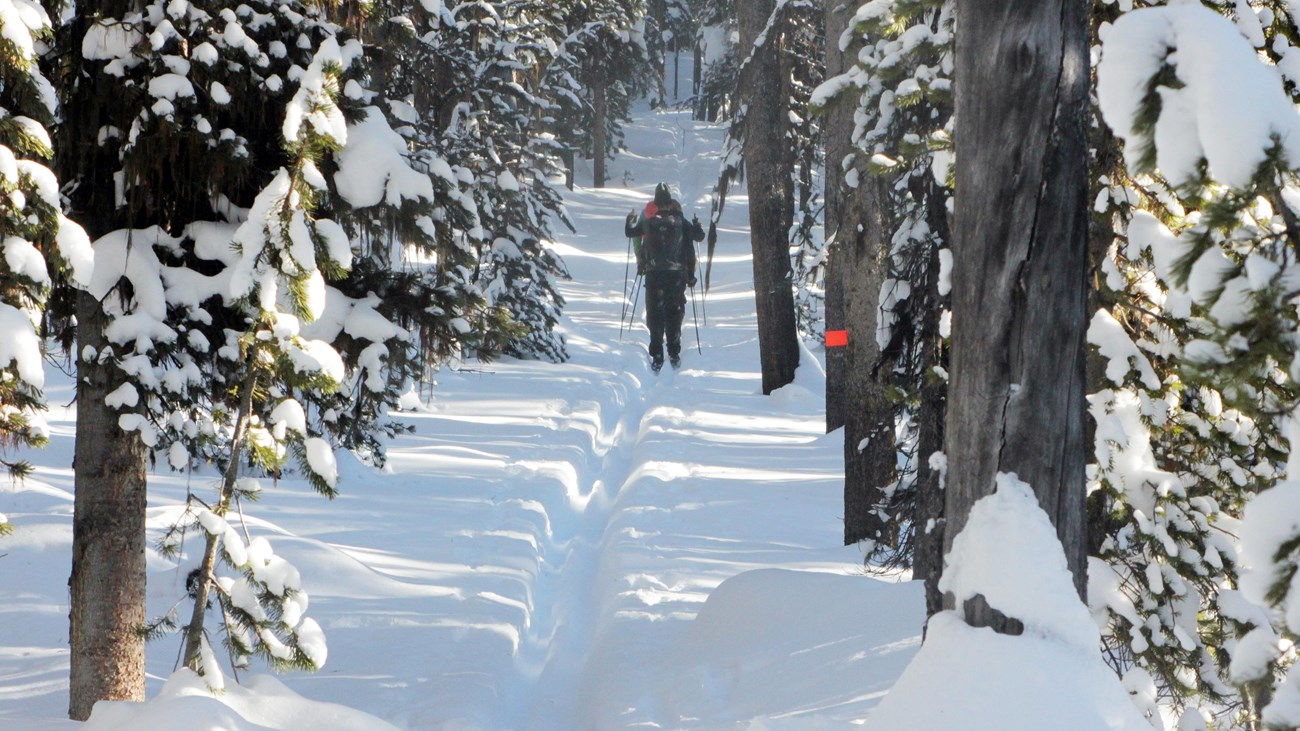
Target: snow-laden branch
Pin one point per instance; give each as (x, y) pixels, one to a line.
(1181, 82)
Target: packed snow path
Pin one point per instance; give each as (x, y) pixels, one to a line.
(538, 554)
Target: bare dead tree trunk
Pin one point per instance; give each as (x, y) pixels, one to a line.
(107, 585)
(768, 166)
(870, 452)
(1016, 399)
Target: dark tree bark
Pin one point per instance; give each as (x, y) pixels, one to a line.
(928, 521)
(696, 72)
(600, 115)
(870, 452)
(107, 583)
(1016, 401)
(855, 393)
(659, 12)
(108, 539)
(838, 121)
(768, 166)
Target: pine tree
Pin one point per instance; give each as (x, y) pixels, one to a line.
(775, 33)
(718, 61)
(1214, 452)
(806, 40)
(601, 63)
(1194, 424)
(258, 337)
(39, 244)
(496, 90)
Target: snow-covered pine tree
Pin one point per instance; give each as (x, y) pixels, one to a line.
(258, 337)
(901, 89)
(680, 28)
(37, 242)
(600, 64)
(1198, 337)
(718, 61)
(483, 118)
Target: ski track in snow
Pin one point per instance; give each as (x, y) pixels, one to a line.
(535, 552)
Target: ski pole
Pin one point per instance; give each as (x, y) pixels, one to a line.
(636, 294)
(698, 347)
(627, 264)
(704, 299)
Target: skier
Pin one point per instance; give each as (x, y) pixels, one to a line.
(666, 257)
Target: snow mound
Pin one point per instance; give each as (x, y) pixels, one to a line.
(1009, 552)
(970, 679)
(831, 645)
(261, 704)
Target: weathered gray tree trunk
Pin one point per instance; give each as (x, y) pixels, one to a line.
(1016, 400)
(108, 539)
(855, 392)
(768, 165)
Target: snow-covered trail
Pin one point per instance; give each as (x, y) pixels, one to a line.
(538, 554)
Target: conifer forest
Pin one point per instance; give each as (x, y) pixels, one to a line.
(333, 393)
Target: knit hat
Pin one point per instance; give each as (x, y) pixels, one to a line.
(663, 196)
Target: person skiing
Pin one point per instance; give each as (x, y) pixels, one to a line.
(666, 257)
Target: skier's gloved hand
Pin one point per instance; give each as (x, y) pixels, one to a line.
(691, 282)
(631, 216)
(697, 231)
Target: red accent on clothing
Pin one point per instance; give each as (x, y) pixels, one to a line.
(651, 209)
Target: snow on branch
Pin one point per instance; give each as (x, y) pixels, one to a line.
(1181, 84)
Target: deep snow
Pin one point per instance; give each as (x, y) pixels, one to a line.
(556, 547)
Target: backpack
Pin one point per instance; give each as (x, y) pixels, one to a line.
(661, 244)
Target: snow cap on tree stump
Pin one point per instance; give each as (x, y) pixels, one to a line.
(1009, 553)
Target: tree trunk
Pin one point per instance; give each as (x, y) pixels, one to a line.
(207, 567)
(658, 11)
(1016, 402)
(855, 394)
(108, 539)
(600, 110)
(837, 129)
(696, 75)
(771, 197)
(928, 522)
(107, 582)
